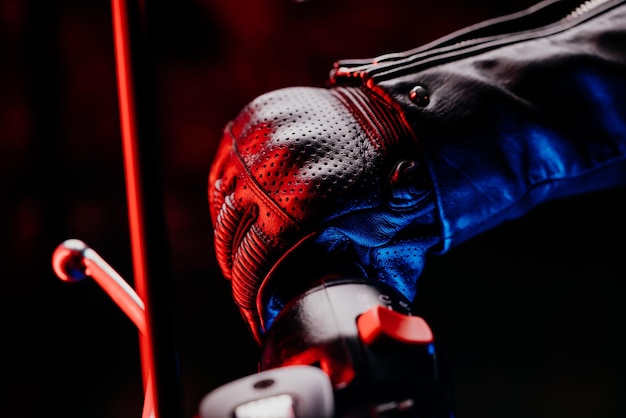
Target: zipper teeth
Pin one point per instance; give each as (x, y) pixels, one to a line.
(584, 8)
(366, 71)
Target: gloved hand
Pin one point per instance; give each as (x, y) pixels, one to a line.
(319, 180)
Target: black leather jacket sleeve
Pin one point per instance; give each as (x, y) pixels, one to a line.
(512, 112)
(418, 151)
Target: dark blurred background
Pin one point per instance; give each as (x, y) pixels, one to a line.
(530, 315)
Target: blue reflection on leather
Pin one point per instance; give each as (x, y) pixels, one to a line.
(389, 245)
(606, 109)
(566, 138)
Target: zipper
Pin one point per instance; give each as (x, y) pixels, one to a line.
(586, 7)
(544, 19)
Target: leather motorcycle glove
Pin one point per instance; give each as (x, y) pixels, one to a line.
(507, 114)
(311, 182)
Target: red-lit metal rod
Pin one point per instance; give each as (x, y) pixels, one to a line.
(149, 243)
(126, 105)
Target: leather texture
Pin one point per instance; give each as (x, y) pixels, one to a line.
(522, 109)
(333, 169)
(419, 151)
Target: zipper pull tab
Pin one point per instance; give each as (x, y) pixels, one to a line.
(350, 72)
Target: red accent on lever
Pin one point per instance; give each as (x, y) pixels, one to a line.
(379, 324)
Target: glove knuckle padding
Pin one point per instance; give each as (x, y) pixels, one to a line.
(291, 161)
